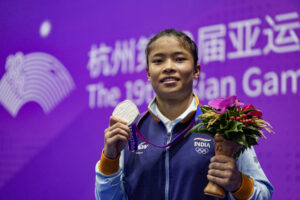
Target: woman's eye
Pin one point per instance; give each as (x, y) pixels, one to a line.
(180, 59)
(157, 61)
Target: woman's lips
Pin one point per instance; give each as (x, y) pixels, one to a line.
(169, 79)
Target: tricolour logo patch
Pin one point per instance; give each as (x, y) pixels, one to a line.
(202, 139)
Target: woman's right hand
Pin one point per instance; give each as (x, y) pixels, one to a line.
(116, 137)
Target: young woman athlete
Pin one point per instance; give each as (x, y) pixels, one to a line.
(182, 170)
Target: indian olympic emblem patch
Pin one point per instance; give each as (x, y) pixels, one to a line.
(202, 145)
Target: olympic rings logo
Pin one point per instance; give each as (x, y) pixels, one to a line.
(201, 150)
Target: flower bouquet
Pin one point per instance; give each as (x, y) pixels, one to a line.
(234, 128)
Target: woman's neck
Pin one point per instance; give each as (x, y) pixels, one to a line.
(172, 108)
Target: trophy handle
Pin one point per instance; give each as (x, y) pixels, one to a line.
(226, 148)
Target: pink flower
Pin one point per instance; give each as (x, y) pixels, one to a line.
(256, 113)
(220, 105)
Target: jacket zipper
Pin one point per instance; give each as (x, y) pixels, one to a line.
(167, 169)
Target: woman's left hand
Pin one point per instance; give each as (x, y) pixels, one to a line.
(223, 171)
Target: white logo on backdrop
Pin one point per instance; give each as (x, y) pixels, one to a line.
(35, 77)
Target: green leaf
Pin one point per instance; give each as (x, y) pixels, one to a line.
(251, 140)
(196, 128)
(234, 126)
(247, 111)
(204, 109)
(241, 140)
(252, 130)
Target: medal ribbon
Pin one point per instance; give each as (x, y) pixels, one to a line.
(135, 131)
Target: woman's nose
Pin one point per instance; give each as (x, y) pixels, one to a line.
(169, 66)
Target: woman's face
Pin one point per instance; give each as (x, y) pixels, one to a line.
(171, 68)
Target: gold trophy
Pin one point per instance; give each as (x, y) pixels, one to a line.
(226, 148)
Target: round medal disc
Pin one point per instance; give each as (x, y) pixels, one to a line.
(126, 111)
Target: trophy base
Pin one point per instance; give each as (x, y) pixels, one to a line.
(214, 190)
(215, 195)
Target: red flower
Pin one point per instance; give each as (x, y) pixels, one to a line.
(256, 113)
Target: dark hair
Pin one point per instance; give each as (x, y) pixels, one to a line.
(184, 39)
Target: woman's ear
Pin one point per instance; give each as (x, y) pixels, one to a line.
(148, 73)
(197, 71)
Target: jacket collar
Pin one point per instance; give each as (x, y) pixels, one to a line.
(183, 118)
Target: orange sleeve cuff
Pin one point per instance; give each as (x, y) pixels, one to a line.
(246, 189)
(108, 166)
